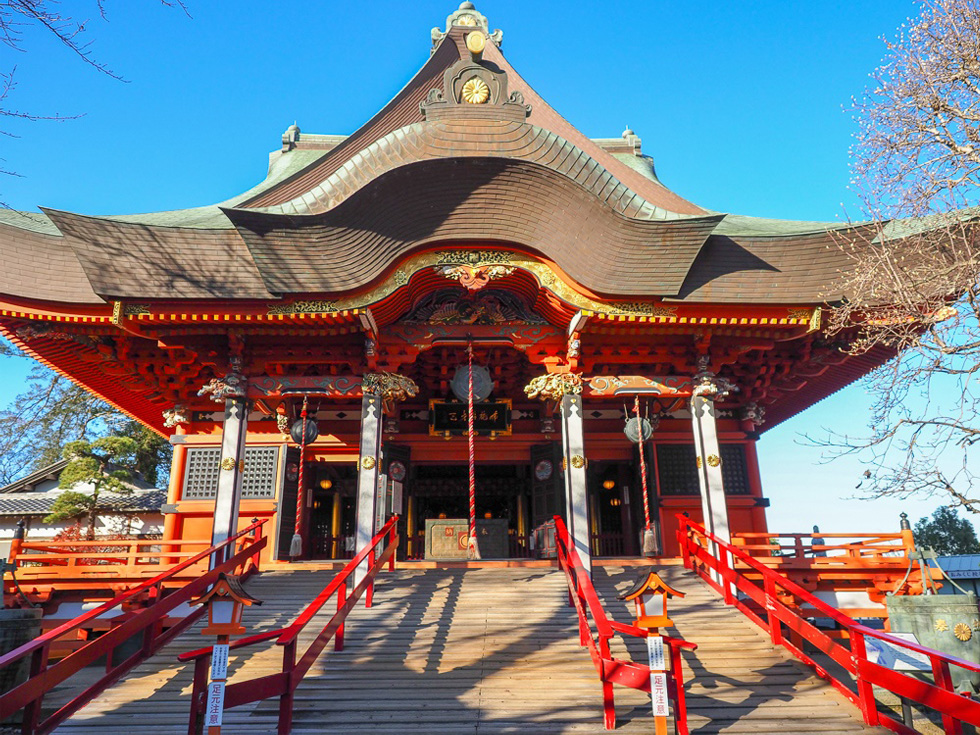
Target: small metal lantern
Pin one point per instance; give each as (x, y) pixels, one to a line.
(226, 600)
(650, 595)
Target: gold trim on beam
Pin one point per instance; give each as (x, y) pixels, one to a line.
(545, 275)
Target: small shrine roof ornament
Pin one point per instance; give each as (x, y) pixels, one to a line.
(469, 17)
(650, 594)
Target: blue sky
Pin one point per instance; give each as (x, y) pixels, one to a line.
(740, 103)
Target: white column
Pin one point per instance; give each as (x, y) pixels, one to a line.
(231, 468)
(576, 500)
(708, 453)
(709, 388)
(368, 469)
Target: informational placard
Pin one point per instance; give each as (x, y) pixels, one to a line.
(658, 694)
(216, 704)
(655, 651)
(219, 661)
(895, 657)
(396, 497)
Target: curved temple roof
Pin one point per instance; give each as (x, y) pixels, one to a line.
(334, 213)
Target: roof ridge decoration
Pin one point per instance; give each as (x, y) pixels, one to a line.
(466, 16)
(473, 88)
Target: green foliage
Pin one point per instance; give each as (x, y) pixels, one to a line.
(53, 411)
(947, 533)
(105, 465)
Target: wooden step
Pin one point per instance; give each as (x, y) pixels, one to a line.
(482, 651)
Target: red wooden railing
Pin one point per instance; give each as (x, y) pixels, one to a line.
(755, 590)
(596, 629)
(284, 683)
(244, 548)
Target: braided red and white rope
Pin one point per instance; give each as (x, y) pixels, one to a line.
(643, 461)
(472, 551)
(296, 544)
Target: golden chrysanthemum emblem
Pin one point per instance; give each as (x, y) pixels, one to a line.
(962, 631)
(476, 91)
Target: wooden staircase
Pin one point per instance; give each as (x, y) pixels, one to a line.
(482, 651)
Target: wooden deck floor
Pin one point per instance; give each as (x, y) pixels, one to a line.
(454, 651)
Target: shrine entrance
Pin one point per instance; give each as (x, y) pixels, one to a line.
(437, 509)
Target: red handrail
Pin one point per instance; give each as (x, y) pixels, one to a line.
(29, 696)
(582, 595)
(771, 614)
(283, 684)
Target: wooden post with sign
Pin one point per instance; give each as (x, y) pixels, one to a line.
(225, 600)
(650, 595)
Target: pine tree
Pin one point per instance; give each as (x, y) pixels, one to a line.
(946, 533)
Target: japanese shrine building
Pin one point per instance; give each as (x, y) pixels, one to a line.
(357, 275)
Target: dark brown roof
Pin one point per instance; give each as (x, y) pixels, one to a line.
(800, 267)
(139, 261)
(41, 266)
(472, 200)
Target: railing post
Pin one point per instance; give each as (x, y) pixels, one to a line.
(198, 695)
(32, 711)
(941, 675)
(682, 538)
(369, 595)
(256, 538)
(775, 631)
(608, 696)
(865, 690)
(723, 574)
(393, 539)
(338, 641)
(286, 698)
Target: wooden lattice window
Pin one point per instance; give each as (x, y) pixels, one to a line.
(678, 471)
(258, 480)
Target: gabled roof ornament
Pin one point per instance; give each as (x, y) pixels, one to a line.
(468, 17)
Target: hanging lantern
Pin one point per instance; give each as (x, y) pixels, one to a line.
(312, 431)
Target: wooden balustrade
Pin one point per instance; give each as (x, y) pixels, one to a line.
(773, 601)
(241, 554)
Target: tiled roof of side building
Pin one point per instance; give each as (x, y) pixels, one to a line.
(34, 503)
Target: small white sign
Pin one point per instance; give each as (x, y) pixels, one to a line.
(655, 650)
(396, 497)
(216, 704)
(658, 694)
(895, 657)
(219, 661)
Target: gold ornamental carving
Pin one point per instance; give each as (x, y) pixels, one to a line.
(228, 464)
(476, 42)
(941, 625)
(714, 460)
(368, 463)
(962, 631)
(389, 386)
(554, 386)
(474, 278)
(475, 91)
(698, 462)
(578, 461)
(545, 276)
